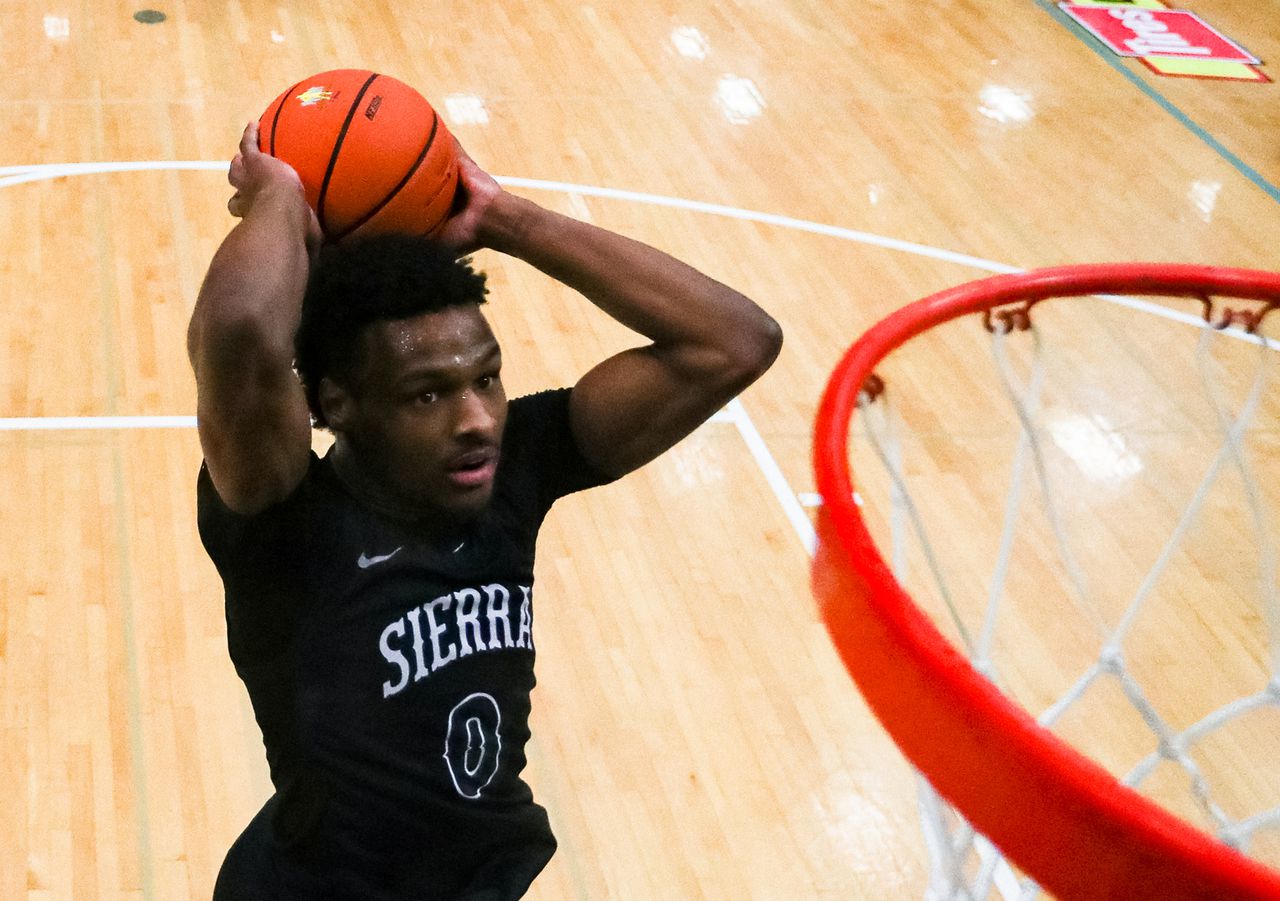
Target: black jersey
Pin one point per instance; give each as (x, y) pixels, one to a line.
(390, 674)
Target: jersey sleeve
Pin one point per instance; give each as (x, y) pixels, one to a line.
(541, 443)
(262, 562)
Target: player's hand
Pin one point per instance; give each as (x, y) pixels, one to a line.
(477, 190)
(254, 174)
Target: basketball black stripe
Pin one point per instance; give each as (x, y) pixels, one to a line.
(435, 125)
(275, 120)
(337, 148)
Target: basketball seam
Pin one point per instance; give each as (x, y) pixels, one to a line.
(337, 149)
(431, 138)
(275, 120)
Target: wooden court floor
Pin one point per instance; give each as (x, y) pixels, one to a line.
(694, 733)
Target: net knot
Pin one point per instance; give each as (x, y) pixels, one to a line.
(1170, 747)
(1236, 835)
(1111, 660)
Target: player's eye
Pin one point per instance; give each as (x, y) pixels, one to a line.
(428, 397)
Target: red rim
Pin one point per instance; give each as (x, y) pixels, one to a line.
(1060, 817)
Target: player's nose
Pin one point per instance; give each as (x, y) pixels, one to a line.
(474, 415)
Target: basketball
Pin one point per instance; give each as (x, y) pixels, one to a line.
(372, 153)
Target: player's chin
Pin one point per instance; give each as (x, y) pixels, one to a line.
(464, 496)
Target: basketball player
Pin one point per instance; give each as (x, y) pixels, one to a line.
(379, 600)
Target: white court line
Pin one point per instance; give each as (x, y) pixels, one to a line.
(14, 175)
(57, 170)
(730, 212)
(96, 423)
(773, 475)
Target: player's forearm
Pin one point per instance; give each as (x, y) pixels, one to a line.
(667, 301)
(252, 294)
(253, 420)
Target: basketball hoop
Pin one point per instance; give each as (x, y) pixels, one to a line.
(1058, 816)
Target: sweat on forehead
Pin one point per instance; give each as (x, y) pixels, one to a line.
(451, 345)
(457, 336)
(361, 282)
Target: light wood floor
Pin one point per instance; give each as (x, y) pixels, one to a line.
(695, 736)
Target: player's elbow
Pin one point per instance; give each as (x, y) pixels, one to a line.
(752, 349)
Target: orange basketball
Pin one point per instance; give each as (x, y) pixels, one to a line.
(372, 153)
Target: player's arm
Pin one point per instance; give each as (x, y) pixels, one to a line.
(708, 342)
(254, 424)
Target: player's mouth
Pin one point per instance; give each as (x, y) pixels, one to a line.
(474, 469)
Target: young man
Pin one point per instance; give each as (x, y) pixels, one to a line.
(379, 600)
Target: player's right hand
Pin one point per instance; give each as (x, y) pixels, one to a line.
(253, 173)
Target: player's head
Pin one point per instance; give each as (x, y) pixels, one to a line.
(398, 361)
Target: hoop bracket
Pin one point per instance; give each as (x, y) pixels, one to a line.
(1247, 320)
(872, 388)
(1016, 317)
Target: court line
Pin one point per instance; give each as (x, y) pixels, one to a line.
(1162, 101)
(93, 423)
(13, 175)
(848, 234)
(803, 225)
(768, 465)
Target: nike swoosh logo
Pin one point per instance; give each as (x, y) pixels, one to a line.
(366, 562)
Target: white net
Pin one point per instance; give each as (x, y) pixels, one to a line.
(1101, 547)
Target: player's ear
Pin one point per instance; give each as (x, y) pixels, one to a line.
(336, 403)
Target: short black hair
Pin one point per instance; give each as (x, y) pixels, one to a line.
(360, 281)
